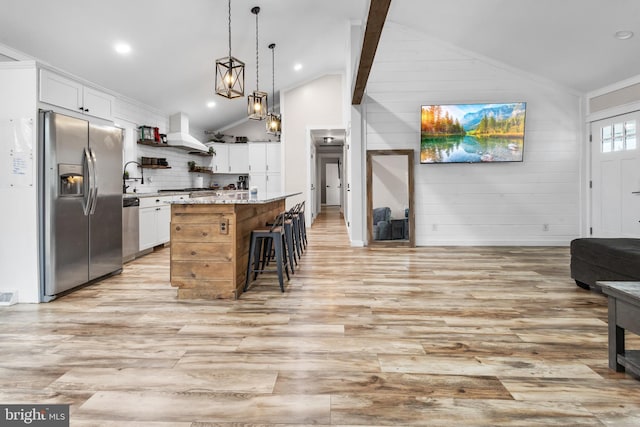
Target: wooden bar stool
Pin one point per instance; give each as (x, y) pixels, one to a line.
(262, 239)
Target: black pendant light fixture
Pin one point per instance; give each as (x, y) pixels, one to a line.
(230, 72)
(257, 101)
(274, 121)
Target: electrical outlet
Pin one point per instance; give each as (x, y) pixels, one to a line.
(545, 227)
(224, 226)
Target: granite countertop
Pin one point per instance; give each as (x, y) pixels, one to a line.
(231, 197)
(175, 193)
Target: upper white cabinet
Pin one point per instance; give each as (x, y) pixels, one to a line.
(264, 157)
(264, 167)
(230, 158)
(66, 93)
(239, 158)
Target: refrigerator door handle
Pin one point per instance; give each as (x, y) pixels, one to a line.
(94, 181)
(86, 186)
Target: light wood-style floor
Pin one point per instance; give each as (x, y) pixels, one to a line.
(456, 336)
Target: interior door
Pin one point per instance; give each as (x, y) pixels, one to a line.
(332, 184)
(615, 176)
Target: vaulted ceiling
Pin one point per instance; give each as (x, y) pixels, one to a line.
(175, 43)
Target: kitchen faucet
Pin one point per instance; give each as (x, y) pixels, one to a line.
(124, 170)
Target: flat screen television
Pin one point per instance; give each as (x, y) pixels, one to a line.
(472, 133)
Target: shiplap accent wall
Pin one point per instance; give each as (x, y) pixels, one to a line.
(477, 204)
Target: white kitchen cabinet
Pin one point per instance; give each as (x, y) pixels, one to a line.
(230, 158)
(72, 95)
(239, 158)
(154, 221)
(264, 157)
(220, 162)
(266, 183)
(264, 167)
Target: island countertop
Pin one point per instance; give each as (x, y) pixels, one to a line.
(232, 197)
(210, 239)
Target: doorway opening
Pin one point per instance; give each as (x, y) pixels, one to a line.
(327, 169)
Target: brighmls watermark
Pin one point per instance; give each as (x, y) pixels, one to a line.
(34, 415)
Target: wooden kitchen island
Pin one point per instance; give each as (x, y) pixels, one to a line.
(210, 241)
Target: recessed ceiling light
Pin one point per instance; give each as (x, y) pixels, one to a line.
(211, 104)
(122, 48)
(297, 67)
(623, 34)
(328, 140)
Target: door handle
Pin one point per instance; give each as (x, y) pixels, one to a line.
(86, 182)
(94, 181)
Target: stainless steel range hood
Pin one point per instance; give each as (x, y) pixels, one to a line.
(179, 136)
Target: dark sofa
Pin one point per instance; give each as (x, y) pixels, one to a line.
(594, 259)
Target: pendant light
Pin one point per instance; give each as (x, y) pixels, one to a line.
(274, 121)
(257, 101)
(230, 72)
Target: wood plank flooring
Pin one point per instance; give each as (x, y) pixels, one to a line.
(455, 336)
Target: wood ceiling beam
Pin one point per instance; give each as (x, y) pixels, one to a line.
(375, 21)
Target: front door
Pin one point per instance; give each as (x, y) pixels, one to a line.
(615, 175)
(333, 184)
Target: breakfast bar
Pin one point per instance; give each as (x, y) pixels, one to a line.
(210, 241)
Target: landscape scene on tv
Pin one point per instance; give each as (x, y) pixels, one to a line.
(472, 133)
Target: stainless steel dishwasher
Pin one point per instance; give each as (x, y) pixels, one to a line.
(130, 226)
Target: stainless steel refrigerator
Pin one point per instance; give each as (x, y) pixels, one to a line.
(81, 202)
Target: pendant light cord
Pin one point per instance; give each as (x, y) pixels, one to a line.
(273, 77)
(229, 28)
(257, 64)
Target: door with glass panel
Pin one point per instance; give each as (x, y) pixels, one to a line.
(615, 177)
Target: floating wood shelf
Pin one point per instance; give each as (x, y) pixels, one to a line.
(155, 167)
(152, 143)
(200, 169)
(200, 153)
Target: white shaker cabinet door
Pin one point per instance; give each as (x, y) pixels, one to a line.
(60, 91)
(98, 104)
(147, 228)
(239, 158)
(221, 159)
(273, 157)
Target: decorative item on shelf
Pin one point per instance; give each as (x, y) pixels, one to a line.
(241, 139)
(192, 165)
(230, 72)
(257, 101)
(149, 134)
(212, 151)
(215, 136)
(274, 121)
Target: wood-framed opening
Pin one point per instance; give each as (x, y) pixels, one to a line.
(390, 186)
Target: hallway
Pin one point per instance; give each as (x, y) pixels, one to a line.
(473, 336)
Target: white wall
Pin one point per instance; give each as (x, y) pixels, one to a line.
(19, 222)
(477, 204)
(314, 105)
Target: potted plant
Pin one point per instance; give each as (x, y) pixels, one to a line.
(192, 165)
(212, 151)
